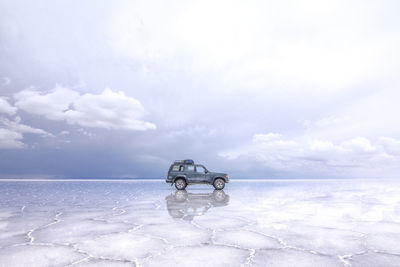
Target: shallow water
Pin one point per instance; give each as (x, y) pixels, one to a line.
(283, 223)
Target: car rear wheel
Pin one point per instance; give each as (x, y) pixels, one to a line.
(180, 184)
(219, 184)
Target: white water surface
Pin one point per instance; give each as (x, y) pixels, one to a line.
(250, 223)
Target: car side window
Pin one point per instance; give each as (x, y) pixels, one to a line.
(175, 168)
(190, 168)
(200, 169)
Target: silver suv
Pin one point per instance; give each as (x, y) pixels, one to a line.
(185, 172)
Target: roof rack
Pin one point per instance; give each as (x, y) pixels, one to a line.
(185, 161)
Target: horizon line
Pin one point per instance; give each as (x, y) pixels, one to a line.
(159, 179)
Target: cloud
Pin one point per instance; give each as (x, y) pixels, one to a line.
(391, 145)
(86, 133)
(6, 107)
(51, 105)
(10, 139)
(361, 144)
(109, 110)
(305, 154)
(263, 40)
(194, 131)
(265, 137)
(266, 66)
(326, 122)
(18, 127)
(11, 133)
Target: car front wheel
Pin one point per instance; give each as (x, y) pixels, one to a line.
(180, 184)
(219, 184)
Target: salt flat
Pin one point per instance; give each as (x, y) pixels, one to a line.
(250, 223)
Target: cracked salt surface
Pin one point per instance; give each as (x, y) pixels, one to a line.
(133, 223)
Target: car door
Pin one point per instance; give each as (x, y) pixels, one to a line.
(190, 173)
(200, 174)
(209, 176)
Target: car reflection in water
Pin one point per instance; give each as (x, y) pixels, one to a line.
(184, 205)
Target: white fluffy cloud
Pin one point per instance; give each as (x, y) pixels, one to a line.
(11, 133)
(16, 126)
(52, 105)
(391, 145)
(6, 107)
(109, 110)
(265, 137)
(320, 156)
(10, 139)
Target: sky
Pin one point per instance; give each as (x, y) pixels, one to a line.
(257, 89)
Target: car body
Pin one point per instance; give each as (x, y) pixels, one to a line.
(186, 172)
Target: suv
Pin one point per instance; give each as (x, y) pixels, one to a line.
(184, 172)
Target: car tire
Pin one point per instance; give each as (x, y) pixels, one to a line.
(219, 184)
(180, 184)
